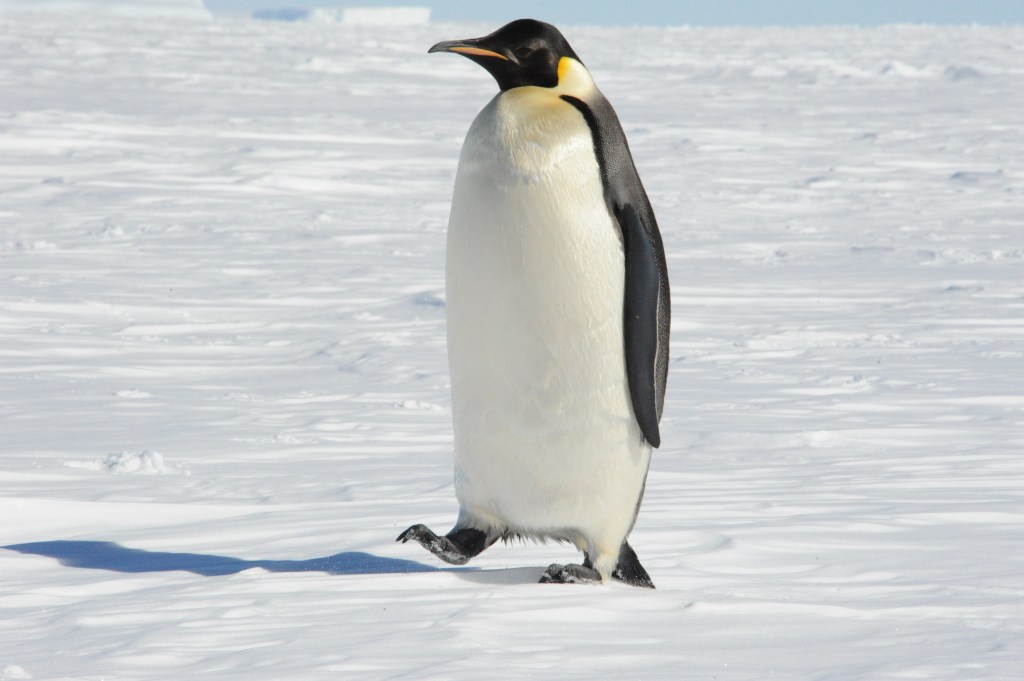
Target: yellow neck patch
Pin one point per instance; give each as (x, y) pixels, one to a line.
(531, 100)
(573, 78)
(564, 64)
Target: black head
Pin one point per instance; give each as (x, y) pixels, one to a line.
(524, 52)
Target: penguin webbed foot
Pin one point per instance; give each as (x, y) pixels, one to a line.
(456, 548)
(629, 569)
(570, 574)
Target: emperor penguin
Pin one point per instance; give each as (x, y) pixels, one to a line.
(557, 315)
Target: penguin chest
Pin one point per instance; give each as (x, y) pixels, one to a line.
(535, 280)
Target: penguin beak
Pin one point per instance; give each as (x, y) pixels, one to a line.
(469, 48)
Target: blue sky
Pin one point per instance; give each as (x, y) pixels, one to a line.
(696, 12)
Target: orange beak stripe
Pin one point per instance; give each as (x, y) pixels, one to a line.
(477, 52)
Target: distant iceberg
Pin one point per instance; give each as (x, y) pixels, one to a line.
(363, 16)
(283, 14)
(175, 8)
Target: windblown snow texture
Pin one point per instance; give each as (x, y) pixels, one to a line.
(223, 241)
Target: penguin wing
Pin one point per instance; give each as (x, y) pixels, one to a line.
(644, 321)
(647, 312)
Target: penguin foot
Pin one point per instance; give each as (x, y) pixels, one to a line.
(629, 569)
(457, 547)
(570, 574)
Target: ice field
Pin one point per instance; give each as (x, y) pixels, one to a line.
(224, 390)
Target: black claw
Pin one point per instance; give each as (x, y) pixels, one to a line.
(549, 576)
(570, 574)
(416, 532)
(455, 548)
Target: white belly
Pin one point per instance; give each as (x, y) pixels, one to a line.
(546, 443)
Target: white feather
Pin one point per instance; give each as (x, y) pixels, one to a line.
(546, 444)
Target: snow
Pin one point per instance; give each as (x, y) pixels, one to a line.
(145, 462)
(223, 241)
(194, 9)
(377, 16)
(367, 16)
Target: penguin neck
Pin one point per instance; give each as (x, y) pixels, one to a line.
(573, 81)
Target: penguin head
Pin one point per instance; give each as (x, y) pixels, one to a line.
(524, 52)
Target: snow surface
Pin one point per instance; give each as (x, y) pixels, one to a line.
(372, 16)
(223, 242)
(193, 9)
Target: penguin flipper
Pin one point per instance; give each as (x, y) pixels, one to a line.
(457, 547)
(640, 319)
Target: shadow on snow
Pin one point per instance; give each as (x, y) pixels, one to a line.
(102, 555)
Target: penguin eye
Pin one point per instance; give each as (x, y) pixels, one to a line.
(523, 52)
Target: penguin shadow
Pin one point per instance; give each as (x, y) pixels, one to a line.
(104, 555)
(500, 576)
(101, 555)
